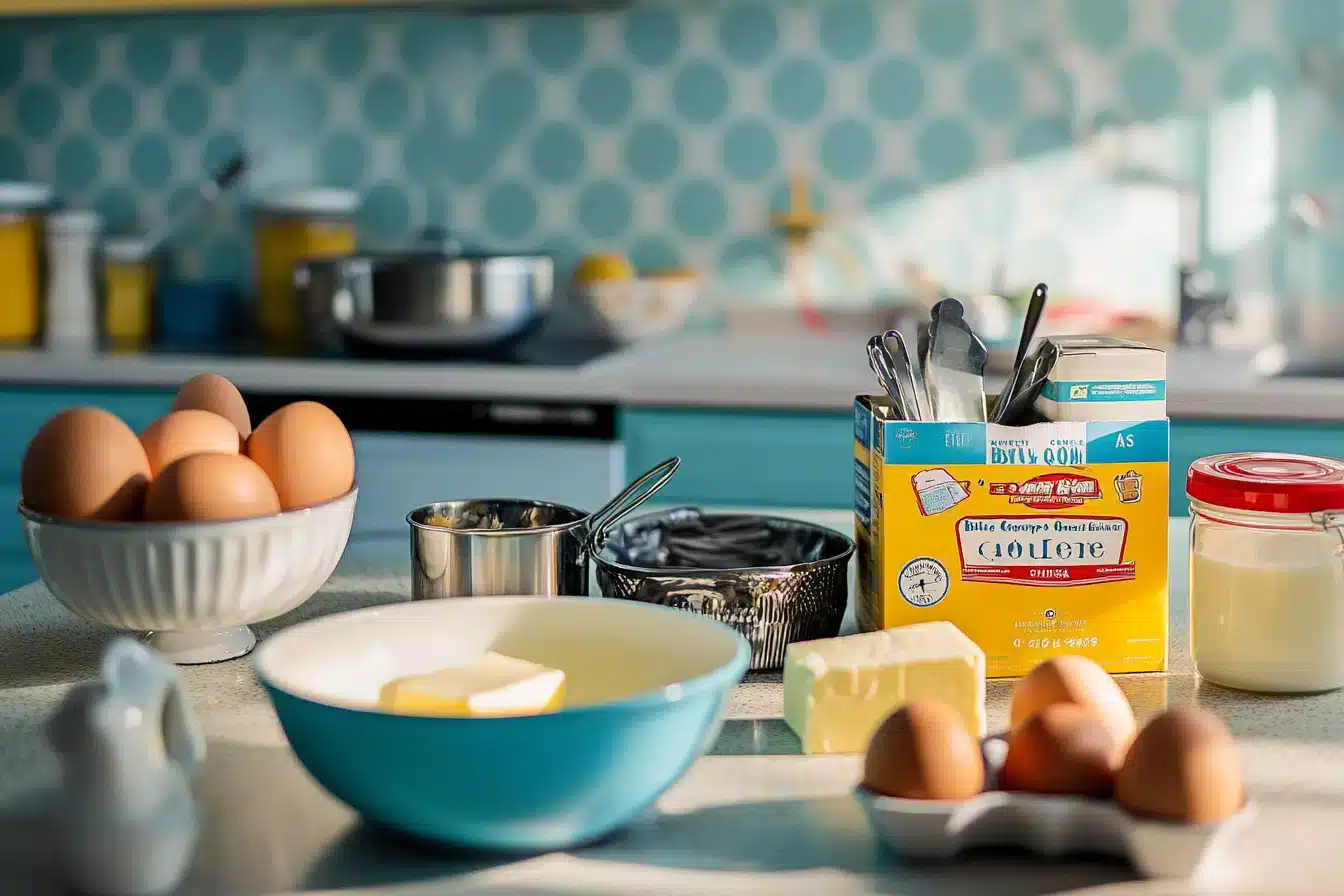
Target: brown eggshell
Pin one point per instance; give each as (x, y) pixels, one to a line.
(924, 752)
(306, 451)
(85, 464)
(1074, 679)
(1063, 749)
(1183, 766)
(184, 433)
(211, 392)
(210, 487)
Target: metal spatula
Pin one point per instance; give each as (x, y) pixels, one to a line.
(955, 373)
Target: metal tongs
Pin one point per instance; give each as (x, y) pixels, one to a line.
(897, 376)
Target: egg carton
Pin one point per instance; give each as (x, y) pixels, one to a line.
(1050, 826)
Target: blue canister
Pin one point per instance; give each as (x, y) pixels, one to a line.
(195, 312)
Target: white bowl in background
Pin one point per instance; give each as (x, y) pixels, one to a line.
(634, 310)
(192, 587)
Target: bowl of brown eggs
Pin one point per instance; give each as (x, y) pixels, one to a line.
(194, 528)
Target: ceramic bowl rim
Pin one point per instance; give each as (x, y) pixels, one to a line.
(198, 528)
(728, 673)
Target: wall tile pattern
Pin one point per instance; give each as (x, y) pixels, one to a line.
(940, 129)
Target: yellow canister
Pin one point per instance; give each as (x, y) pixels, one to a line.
(21, 208)
(288, 229)
(128, 292)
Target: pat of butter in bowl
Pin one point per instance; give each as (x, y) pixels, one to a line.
(494, 685)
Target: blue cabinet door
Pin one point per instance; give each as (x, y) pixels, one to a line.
(744, 457)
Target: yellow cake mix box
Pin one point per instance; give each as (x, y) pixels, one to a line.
(1033, 540)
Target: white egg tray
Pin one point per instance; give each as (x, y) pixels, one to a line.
(1050, 826)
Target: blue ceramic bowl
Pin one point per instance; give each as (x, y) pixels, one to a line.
(644, 696)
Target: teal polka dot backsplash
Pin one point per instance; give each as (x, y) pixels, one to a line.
(959, 134)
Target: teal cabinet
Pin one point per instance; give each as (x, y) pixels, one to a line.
(23, 411)
(744, 457)
(784, 459)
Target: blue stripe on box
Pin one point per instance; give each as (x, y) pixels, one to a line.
(933, 443)
(861, 474)
(1128, 442)
(863, 421)
(1105, 390)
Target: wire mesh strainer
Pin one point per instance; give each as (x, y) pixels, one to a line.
(775, 580)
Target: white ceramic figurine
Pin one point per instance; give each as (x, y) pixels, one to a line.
(126, 821)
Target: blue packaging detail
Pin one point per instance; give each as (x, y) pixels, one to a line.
(1062, 444)
(1116, 390)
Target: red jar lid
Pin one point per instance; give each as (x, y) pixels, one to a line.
(1268, 482)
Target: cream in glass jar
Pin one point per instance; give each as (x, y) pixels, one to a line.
(1267, 571)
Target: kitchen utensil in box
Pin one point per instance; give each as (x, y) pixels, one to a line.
(954, 373)
(1035, 311)
(423, 300)
(645, 689)
(130, 735)
(896, 374)
(775, 580)
(192, 587)
(1048, 825)
(490, 546)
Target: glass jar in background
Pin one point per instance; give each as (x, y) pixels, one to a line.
(21, 259)
(288, 229)
(73, 239)
(128, 292)
(1267, 571)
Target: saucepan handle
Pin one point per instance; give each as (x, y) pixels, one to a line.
(595, 528)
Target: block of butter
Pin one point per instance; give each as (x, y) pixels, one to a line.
(837, 691)
(494, 685)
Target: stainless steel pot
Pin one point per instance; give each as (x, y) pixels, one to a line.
(487, 546)
(424, 299)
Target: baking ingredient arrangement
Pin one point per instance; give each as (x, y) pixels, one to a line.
(1022, 534)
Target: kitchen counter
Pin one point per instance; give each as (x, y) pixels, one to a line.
(752, 817)
(696, 370)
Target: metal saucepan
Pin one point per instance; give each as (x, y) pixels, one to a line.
(481, 547)
(424, 299)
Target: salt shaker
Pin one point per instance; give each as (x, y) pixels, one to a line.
(72, 304)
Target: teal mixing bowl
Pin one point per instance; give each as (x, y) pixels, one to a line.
(645, 692)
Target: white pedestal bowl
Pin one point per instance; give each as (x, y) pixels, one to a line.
(192, 588)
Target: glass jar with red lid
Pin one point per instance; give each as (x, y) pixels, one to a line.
(1267, 571)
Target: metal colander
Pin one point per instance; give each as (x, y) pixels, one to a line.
(775, 580)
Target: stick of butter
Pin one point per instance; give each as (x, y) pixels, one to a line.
(837, 691)
(494, 685)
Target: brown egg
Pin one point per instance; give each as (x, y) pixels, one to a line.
(1183, 766)
(1074, 679)
(85, 464)
(924, 752)
(211, 392)
(184, 433)
(206, 487)
(307, 452)
(1064, 748)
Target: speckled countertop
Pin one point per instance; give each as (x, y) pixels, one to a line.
(752, 816)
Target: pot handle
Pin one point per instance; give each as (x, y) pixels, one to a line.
(600, 521)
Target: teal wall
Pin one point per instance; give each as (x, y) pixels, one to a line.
(941, 131)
